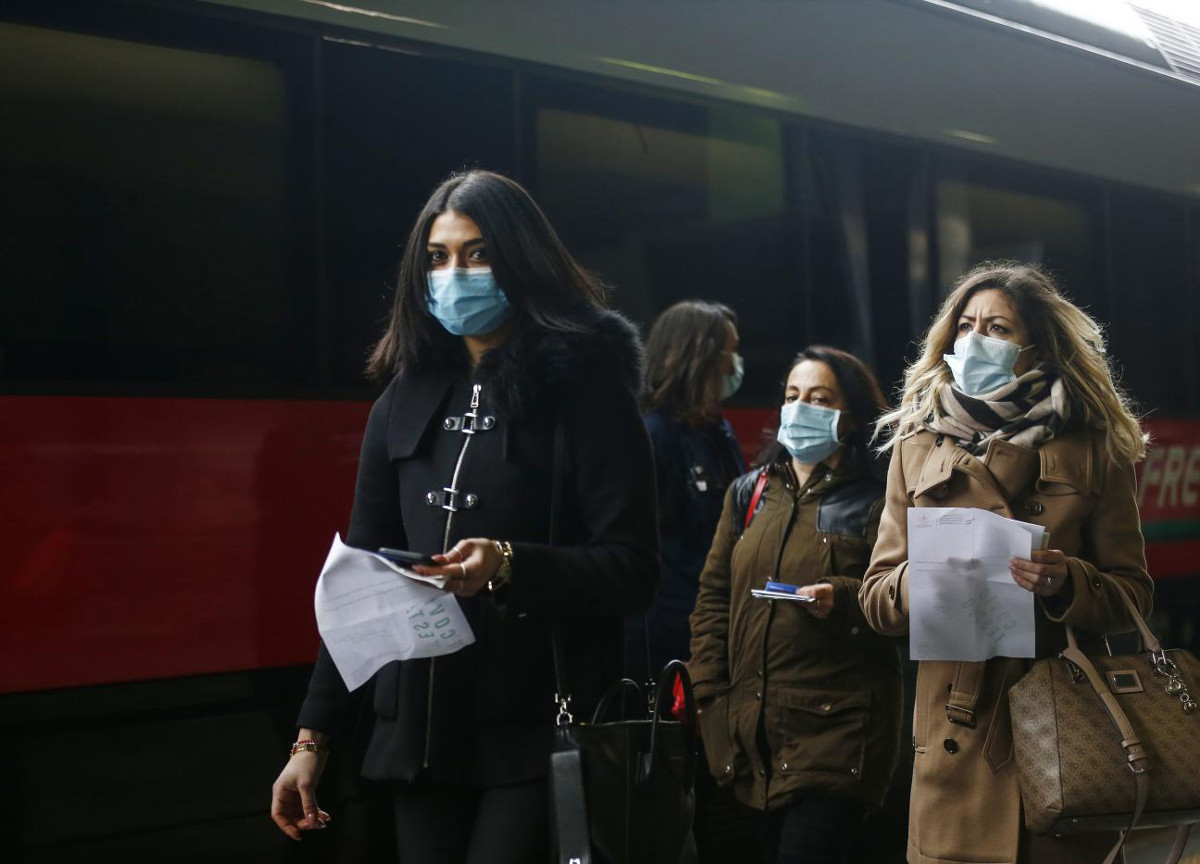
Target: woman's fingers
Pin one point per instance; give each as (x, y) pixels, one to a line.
(286, 810)
(822, 602)
(1044, 573)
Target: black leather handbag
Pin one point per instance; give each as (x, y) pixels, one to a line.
(622, 791)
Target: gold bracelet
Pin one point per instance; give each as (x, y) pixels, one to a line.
(307, 745)
(504, 572)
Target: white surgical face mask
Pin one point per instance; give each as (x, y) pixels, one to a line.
(731, 383)
(808, 432)
(467, 301)
(983, 364)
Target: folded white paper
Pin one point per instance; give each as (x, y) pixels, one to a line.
(963, 602)
(371, 611)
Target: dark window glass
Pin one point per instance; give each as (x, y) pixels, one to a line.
(672, 201)
(1153, 325)
(395, 125)
(984, 215)
(145, 233)
(863, 205)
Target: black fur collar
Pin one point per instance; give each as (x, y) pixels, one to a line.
(537, 367)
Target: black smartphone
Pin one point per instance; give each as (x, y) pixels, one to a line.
(403, 556)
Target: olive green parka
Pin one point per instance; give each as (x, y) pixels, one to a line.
(826, 693)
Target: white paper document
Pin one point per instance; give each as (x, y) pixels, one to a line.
(369, 612)
(963, 602)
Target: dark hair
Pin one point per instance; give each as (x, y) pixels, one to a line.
(864, 403)
(683, 354)
(540, 278)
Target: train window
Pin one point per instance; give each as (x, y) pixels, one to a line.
(143, 236)
(857, 199)
(386, 147)
(1007, 218)
(670, 201)
(1153, 329)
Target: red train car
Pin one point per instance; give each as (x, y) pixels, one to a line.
(202, 208)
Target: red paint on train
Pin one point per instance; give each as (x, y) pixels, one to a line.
(149, 538)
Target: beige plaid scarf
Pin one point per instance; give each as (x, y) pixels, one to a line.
(1029, 411)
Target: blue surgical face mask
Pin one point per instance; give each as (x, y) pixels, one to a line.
(808, 432)
(982, 364)
(731, 383)
(467, 301)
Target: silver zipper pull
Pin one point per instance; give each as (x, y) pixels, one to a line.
(475, 396)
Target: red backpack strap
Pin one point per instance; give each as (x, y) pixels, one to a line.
(759, 486)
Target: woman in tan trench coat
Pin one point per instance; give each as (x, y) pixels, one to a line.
(800, 702)
(1011, 408)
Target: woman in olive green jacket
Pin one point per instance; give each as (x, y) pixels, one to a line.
(800, 701)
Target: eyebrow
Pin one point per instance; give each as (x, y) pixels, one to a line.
(985, 317)
(474, 242)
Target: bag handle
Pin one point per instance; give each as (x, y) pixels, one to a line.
(618, 689)
(562, 689)
(665, 684)
(1134, 752)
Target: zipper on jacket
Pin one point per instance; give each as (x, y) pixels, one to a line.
(794, 492)
(451, 506)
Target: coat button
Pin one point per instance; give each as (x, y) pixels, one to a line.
(758, 695)
(783, 767)
(759, 673)
(853, 772)
(489, 422)
(471, 500)
(448, 423)
(828, 477)
(826, 707)
(951, 746)
(431, 498)
(1035, 508)
(853, 631)
(1096, 582)
(728, 769)
(824, 539)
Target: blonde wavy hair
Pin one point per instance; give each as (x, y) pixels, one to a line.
(1069, 342)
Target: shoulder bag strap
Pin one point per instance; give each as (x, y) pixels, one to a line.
(573, 842)
(1134, 752)
(760, 486)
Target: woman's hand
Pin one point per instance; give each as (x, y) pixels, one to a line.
(294, 795)
(467, 567)
(1045, 575)
(823, 598)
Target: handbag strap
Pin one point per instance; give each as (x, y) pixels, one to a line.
(562, 689)
(572, 833)
(1135, 753)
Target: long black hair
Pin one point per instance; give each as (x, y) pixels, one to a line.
(540, 278)
(864, 403)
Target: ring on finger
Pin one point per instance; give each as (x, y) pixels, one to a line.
(463, 568)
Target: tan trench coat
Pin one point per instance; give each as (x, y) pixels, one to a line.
(827, 692)
(966, 804)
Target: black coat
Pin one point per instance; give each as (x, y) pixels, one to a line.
(485, 714)
(693, 468)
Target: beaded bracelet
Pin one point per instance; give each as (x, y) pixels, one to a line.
(306, 745)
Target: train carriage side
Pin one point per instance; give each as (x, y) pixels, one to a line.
(202, 211)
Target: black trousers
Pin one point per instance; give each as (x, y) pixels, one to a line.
(812, 830)
(468, 825)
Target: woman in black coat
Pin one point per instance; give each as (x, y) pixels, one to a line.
(497, 336)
